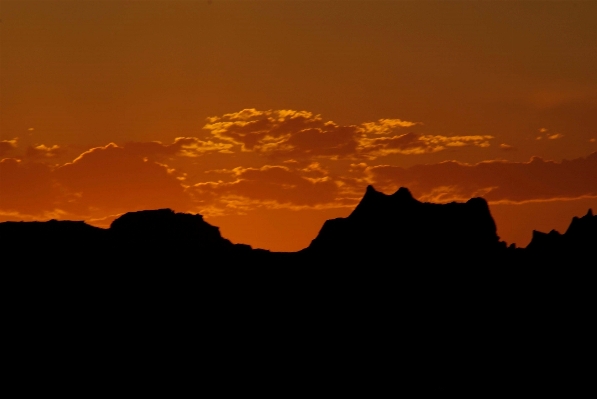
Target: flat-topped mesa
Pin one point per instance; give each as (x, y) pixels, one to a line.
(399, 223)
(166, 226)
(68, 230)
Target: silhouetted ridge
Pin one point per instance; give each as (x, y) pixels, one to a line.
(393, 260)
(382, 229)
(50, 238)
(164, 234)
(579, 239)
(403, 194)
(164, 225)
(374, 202)
(581, 226)
(402, 225)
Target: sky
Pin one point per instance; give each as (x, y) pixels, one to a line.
(270, 117)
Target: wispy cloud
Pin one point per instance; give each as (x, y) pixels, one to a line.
(507, 147)
(554, 136)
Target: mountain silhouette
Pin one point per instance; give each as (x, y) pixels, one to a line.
(435, 272)
(382, 225)
(579, 240)
(383, 229)
(165, 233)
(145, 236)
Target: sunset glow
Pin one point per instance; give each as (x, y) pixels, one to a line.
(270, 117)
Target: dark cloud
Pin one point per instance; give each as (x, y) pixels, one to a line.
(111, 179)
(102, 181)
(7, 146)
(269, 186)
(42, 151)
(27, 187)
(496, 181)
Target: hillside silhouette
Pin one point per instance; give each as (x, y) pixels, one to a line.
(398, 226)
(394, 269)
(394, 230)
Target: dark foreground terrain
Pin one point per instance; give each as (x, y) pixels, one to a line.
(398, 280)
(389, 245)
(384, 232)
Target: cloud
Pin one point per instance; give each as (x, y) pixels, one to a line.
(385, 126)
(261, 131)
(110, 180)
(101, 181)
(191, 147)
(7, 145)
(497, 181)
(507, 147)
(27, 188)
(301, 134)
(42, 151)
(548, 136)
(271, 186)
(103, 221)
(412, 143)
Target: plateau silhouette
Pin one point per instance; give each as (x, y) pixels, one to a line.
(437, 274)
(383, 230)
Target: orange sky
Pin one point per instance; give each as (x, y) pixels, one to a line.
(270, 117)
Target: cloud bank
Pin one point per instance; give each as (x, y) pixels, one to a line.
(301, 134)
(496, 181)
(272, 159)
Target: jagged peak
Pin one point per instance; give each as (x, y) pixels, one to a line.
(372, 193)
(371, 197)
(580, 223)
(375, 201)
(371, 190)
(403, 193)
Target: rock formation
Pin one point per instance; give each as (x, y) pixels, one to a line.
(579, 240)
(383, 229)
(399, 225)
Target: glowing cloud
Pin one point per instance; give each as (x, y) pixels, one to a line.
(43, 151)
(385, 126)
(191, 147)
(301, 134)
(271, 186)
(507, 147)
